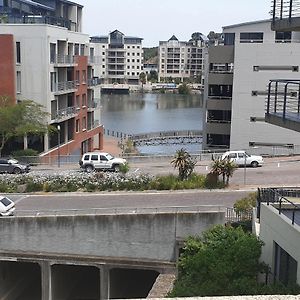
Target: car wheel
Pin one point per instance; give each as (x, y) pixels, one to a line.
(17, 171)
(116, 168)
(254, 164)
(89, 169)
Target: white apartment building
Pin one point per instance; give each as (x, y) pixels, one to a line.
(119, 58)
(182, 60)
(237, 86)
(50, 66)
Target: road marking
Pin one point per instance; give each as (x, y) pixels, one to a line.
(21, 198)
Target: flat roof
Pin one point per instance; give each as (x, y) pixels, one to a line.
(247, 23)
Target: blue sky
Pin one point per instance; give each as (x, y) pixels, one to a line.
(156, 20)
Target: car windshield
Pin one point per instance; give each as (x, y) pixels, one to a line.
(5, 201)
(109, 157)
(12, 161)
(247, 154)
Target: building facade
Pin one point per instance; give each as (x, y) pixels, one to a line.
(182, 60)
(51, 66)
(238, 75)
(119, 57)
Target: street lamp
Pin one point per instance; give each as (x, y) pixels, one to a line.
(58, 146)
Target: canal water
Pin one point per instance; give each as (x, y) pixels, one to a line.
(144, 113)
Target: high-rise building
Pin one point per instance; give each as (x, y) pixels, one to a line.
(120, 58)
(50, 65)
(237, 83)
(182, 60)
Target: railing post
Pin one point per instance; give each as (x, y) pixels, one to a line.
(298, 111)
(276, 97)
(281, 9)
(269, 96)
(290, 11)
(284, 101)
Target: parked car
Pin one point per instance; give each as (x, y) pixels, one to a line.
(7, 206)
(242, 158)
(10, 165)
(91, 161)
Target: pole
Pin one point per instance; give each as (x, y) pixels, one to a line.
(58, 146)
(245, 168)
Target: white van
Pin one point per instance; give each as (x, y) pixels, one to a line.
(242, 158)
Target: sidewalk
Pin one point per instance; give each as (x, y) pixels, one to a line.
(111, 145)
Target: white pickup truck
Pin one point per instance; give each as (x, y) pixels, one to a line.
(242, 158)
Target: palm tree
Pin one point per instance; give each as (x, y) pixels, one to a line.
(224, 167)
(184, 163)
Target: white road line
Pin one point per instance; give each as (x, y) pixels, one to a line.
(21, 198)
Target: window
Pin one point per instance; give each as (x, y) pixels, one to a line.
(133, 73)
(53, 81)
(138, 54)
(76, 49)
(86, 157)
(229, 39)
(133, 60)
(103, 66)
(84, 100)
(251, 37)
(285, 266)
(19, 89)
(128, 67)
(95, 157)
(283, 37)
(77, 76)
(77, 102)
(84, 128)
(103, 53)
(82, 49)
(18, 52)
(52, 53)
(83, 76)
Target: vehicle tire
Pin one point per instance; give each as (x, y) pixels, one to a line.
(17, 171)
(116, 168)
(254, 164)
(89, 168)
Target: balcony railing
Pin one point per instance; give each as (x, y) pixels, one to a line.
(94, 60)
(94, 104)
(64, 113)
(93, 125)
(63, 59)
(94, 81)
(65, 86)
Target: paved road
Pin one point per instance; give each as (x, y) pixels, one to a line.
(78, 203)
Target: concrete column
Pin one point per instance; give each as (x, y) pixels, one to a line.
(46, 280)
(25, 141)
(104, 282)
(46, 142)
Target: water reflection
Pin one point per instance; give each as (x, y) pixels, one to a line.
(142, 113)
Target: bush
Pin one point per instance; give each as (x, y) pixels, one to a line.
(28, 156)
(33, 187)
(124, 168)
(246, 204)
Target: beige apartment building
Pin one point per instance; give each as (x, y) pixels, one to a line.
(180, 60)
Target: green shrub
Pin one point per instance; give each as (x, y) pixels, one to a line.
(33, 187)
(124, 168)
(28, 156)
(246, 204)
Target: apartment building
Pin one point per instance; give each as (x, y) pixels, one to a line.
(60, 13)
(119, 57)
(50, 65)
(180, 60)
(238, 74)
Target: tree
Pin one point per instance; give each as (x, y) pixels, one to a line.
(184, 163)
(152, 76)
(26, 117)
(223, 261)
(224, 167)
(184, 89)
(143, 78)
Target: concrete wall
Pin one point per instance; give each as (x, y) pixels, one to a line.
(148, 236)
(278, 228)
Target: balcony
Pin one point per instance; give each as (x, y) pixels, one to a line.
(93, 125)
(94, 60)
(63, 114)
(286, 15)
(63, 60)
(283, 104)
(65, 87)
(93, 81)
(93, 104)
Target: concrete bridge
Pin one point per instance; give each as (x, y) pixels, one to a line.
(92, 257)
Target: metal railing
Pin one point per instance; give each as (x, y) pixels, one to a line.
(284, 98)
(64, 113)
(278, 196)
(283, 9)
(94, 81)
(63, 59)
(65, 86)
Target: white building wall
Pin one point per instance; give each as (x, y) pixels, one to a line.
(245, 80)
(275, 228)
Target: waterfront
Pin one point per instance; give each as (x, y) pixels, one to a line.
(143, 113)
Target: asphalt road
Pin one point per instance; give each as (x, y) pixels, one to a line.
(284, 171)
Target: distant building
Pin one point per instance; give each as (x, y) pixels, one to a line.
(119, 58)
(182, 60)
(150, 67)
(50, 65)
(237, 86)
